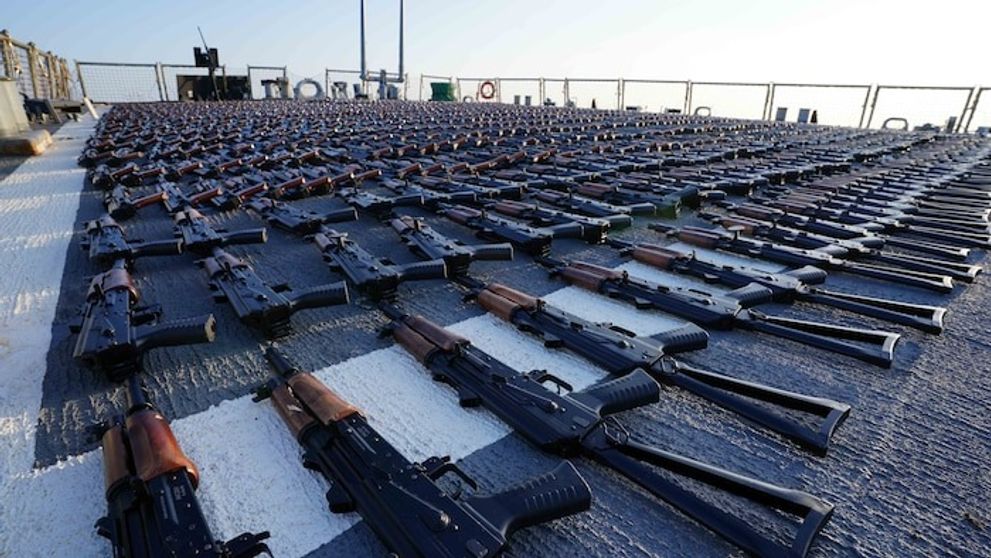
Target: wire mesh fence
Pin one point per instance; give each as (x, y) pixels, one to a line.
(22, 70)
(105, 82)
(37, 74)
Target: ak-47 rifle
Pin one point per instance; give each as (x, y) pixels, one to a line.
(233, 199)
(867, 235)
(114, 332)
(379, 206)
(106, 243)
(732, 241)
(536, 242)
(295, 220)
(577, 423)
(256, 303)
(620, 352)
(176, 199)
(120, 204)
(665, 205)
(849, 249)
(152, 510)
(401, 500)
(593, 208)
(377, 277)
(564, 224)
(429, 244)
(199, 238)
(786, 286)
(728, 310)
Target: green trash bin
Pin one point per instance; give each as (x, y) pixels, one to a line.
(441, 91)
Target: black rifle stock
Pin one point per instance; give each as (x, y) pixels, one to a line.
(295, 220)
(429, 244)
(536, 242)
(200, 238)
(257, 304)
(106, 243)
(114, 332)
(577, 423)
(787, 286)
(401, 500)
(728, 311)
(731, 241)
(620, 352)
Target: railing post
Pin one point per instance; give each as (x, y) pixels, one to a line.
(567, 92)
(79, 75)
(688, 97)
(7, 50)
(33, 68)
(541, 91)
(420, 93)
(769, 101)
(326, 81)
(620, 86)
(498, 84)
(406, 86)
(457, 87)
(870, 117)
(970, 117)
(163, 95)
(966, 106)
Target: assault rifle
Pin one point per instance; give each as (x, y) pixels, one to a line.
(867, 235)
(379, 206)
(845, 249)
(400, 500)
(786, 286)
(229, 199)
(577, 423)
(259, 305)
(858, 216)
(728, 310)
(120, 204)
(621, 352)
(152, 510)
(176, 199)
(429, 244)
(564, 224)
(106, 243)
(114, 332)
(665, 205)
(295, 220)
(536, 242)
(592, 208)
(731, 241)
(200, 238)
(379, 278)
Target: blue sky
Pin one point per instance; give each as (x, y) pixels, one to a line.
(863, 41)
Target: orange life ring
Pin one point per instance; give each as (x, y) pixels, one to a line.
(487, 90)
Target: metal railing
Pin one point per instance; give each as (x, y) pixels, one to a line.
(860, 108)
(693, 95)
(39, 74)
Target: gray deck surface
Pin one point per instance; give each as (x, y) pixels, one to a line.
(908, 470)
